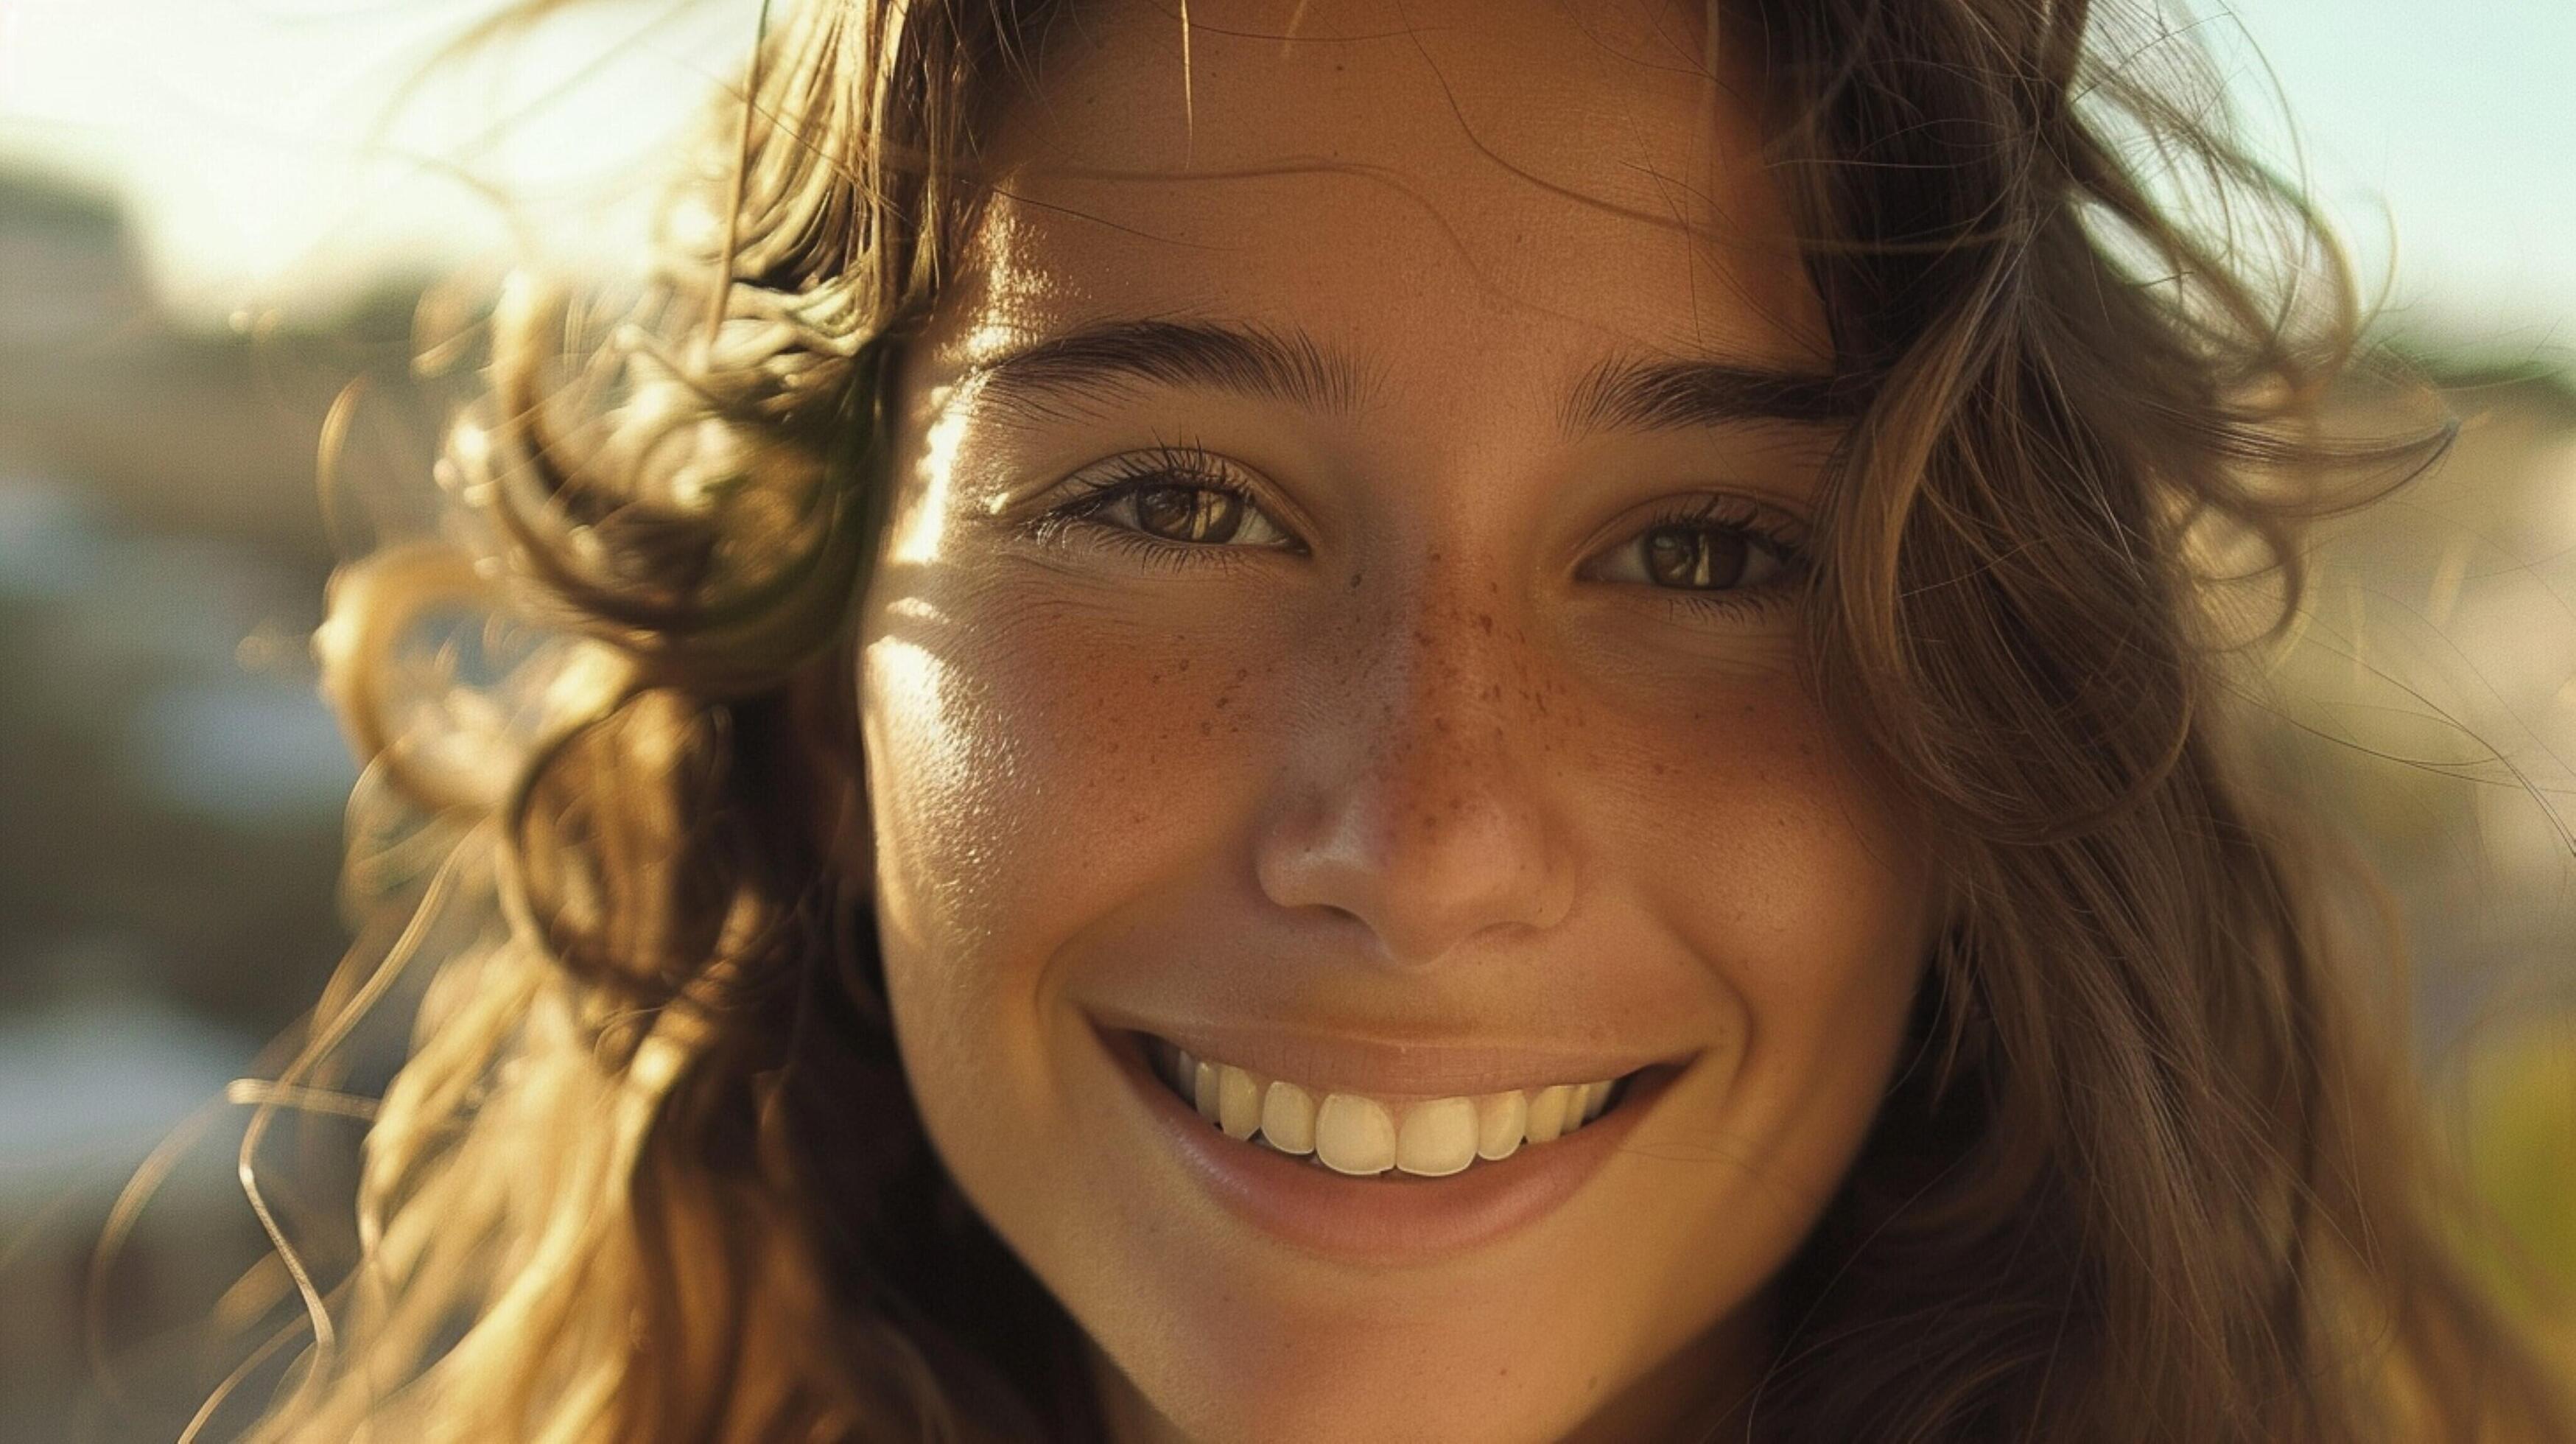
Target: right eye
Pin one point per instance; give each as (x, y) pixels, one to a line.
(1177, 498)
(1182, 512)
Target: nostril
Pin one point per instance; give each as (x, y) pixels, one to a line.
(1338, 915)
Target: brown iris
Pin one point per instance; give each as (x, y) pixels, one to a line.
(1189, 513)
(1699, 558)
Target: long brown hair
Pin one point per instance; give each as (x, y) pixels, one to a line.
(2155, 1169)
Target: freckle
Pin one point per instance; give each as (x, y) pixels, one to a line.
(1207, 728)
(1659, 769)
(1485, 623)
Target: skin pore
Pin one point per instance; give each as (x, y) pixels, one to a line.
(1342, 585)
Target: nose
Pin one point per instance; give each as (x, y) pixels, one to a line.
(1414, 806)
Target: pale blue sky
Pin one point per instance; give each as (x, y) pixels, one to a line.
(236, 125)
(2454, 125)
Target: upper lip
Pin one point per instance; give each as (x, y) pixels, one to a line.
(1392, 1068)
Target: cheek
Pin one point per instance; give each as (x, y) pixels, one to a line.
(1034, 766)
(1753, 838)
(1758, 833)
(1024, 758)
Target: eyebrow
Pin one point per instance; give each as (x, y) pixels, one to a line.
(1099, 362)
(1096, 362)
(1666, 395)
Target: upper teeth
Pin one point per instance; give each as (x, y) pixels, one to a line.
(1355, 1133)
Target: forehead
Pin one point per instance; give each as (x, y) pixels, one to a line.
(1445, 189)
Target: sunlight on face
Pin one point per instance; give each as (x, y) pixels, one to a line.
(1347, 628)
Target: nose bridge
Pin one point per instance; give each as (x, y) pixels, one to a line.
(1420, 810)
(1444, 680)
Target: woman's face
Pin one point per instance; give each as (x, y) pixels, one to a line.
(1339, 619)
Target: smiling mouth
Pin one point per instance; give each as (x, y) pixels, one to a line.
(1362, 1135)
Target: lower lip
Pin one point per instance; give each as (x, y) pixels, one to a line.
(1393, 1218)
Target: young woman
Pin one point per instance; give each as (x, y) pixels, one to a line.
(1405, 719)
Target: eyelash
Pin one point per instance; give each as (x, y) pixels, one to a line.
(1185, 465)
(1177, 465)
(1783, 539)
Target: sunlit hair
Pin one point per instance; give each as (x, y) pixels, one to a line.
(2154, 1167)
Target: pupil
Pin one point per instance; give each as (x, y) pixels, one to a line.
(1680, 556)
(1189, 513)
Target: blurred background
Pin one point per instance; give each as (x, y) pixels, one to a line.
(216, 215)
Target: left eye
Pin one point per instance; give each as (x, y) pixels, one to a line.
(1697, 557)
